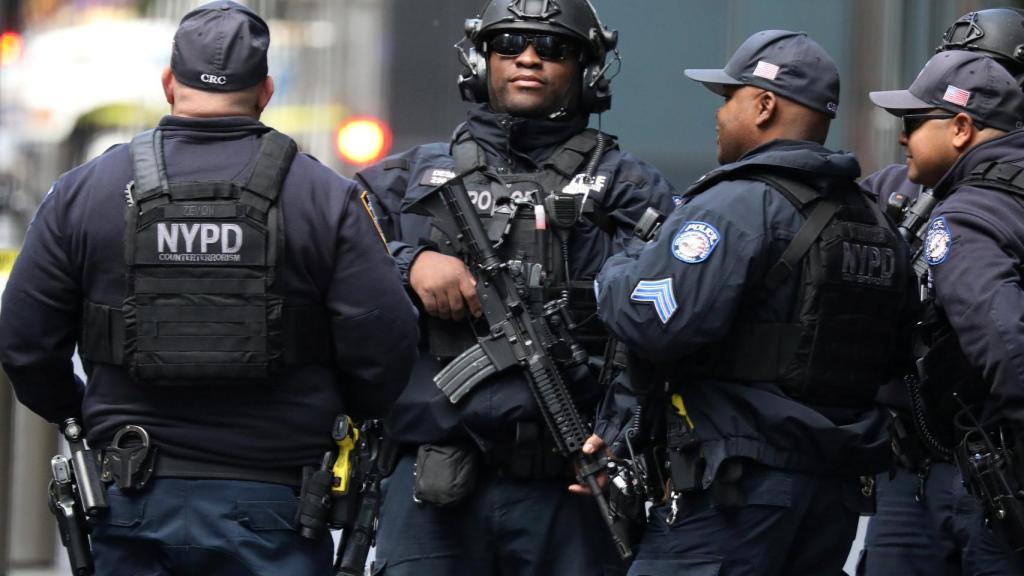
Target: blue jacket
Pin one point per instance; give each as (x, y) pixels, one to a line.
(702, 275)
(515, 145)
(975, 250)
(74, 251)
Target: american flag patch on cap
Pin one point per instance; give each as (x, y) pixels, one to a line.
(956, 95)
(766, 70)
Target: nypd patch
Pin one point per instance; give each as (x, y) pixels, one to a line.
(658, 293)
(937, 242)
(436, 177)
(694, 242)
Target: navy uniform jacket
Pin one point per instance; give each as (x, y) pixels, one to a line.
(888, 180)
(975, 251)
(74, 250)
(422, 414)
(705, 272)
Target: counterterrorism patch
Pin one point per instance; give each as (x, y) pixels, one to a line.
(660, 294)
(694, 242)
(365, 199)
(937, 242)
(436, 177)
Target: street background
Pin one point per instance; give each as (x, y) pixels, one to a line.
(77, 76)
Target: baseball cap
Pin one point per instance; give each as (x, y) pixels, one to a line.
(220, 46)
(960, 81)
(789, 64)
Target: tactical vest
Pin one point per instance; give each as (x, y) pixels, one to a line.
(510, 208)
(838, 347)
(943, 367)
(201, 260)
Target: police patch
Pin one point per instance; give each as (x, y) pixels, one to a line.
(582, 185)
(694, 242)
(937, 242)
(658, 293)
(436, 177)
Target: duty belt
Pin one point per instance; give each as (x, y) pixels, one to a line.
(131, 461)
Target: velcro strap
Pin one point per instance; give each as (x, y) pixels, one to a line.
(273, 162)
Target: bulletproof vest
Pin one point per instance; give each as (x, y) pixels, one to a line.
(854, 274)
(948, 381)
(201, 260)
(510, 206)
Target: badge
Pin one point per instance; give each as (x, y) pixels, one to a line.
(436, 177)
(579, 185)
(694, 242)
(937, 242)
(658, 293)
(365, 199)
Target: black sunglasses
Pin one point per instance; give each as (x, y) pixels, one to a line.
(548, 47)
(912, 122)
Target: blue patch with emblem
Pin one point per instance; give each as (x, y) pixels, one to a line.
(938, 242)
(695, 241)
(658, 293)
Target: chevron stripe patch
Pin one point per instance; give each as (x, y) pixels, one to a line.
(660, 294)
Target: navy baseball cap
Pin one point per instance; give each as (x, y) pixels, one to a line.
(789, 64)
(960, 81)
(220, 46)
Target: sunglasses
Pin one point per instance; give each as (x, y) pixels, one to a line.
(912, 122)
(548, 47)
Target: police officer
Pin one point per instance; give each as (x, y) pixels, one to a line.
(537, 70)
(229, 297)
(770, 298)
(960, 126)
(920, 526)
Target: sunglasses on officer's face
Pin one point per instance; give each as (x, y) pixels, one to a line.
(912, 122)
(548, 47)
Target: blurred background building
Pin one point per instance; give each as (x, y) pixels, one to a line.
(359, 78)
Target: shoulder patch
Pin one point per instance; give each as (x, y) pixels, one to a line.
(938, 242)
(694, 242)
(579, 185)
(436, 177)
(658, 293)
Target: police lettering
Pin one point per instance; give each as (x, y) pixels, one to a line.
(170, 237)
(212, 79)
(868, 264)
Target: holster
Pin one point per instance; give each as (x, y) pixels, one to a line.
(445, 473)
(683, 450)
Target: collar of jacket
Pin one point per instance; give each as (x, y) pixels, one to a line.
(517, 139)
(212, 128)
(1006, 148)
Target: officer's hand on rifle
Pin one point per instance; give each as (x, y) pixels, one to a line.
(593, 445)
(444, 285)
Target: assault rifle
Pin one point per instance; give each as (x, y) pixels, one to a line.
(516, 338)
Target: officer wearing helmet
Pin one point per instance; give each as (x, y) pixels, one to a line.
(478, 488)
(926, 522)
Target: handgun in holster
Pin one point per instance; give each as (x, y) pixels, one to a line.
(989, 473)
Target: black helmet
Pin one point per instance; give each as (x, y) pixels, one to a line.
(998, 31)
(576, 19)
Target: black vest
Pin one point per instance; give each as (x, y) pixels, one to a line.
(511, 208)
(201, 260)
(839, 346)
